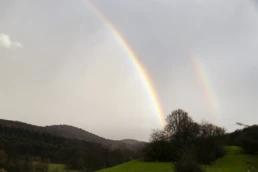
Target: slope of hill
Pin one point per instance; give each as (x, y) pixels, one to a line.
(74, 133)
(18, 124)
(71, 132)
(23, 143)
(234, 161)
(80, 134)
(130, 141)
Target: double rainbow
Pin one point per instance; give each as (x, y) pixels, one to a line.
(141, 70)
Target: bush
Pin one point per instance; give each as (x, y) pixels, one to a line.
(40, 167)
(159, 151)
(187, 162)
(208, 150)
(185, 166)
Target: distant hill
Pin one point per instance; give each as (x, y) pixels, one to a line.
(80, 134)
(131, 141)
(72, 132)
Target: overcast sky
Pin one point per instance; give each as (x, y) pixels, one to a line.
(60, 64)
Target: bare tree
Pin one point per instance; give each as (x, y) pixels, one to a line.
(177, 122)
(157, 135)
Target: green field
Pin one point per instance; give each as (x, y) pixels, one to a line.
(57, 168)
(140, 166)
(234, 161)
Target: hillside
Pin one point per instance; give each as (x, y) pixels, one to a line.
(80, 134)
(74, 133)
(71, 132)
(21, 144)
(234, 161)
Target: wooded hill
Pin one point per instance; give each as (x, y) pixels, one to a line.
(72, 132)
(76, 148)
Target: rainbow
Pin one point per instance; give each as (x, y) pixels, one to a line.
(136, 62)
(202, 73)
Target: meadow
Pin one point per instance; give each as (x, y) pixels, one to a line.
(56, 168)
(233, 161)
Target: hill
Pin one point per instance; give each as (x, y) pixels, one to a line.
(80, 134)
(72, 132)
(21, 144)
(234, 161)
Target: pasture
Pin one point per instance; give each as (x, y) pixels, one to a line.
(233, 161)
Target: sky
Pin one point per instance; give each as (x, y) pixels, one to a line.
(60, 63)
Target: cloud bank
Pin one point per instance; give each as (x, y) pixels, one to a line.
(6, 42)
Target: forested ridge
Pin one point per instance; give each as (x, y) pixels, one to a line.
(72, 132)
(23, 143)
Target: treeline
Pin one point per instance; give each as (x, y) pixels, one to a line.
(20, 165)
(186, 142)
(23, 148)
(247, 138)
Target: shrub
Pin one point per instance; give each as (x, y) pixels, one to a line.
(185, 166)
(187, 162)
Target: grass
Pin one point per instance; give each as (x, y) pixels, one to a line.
(140, 166)
(234, 161)
(57, 168)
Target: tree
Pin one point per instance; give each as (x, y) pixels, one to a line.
(3, 159)
(180, 133)
(158, 135)
(249, 139)
(166, 144)
(209, 145)
(177, 123)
